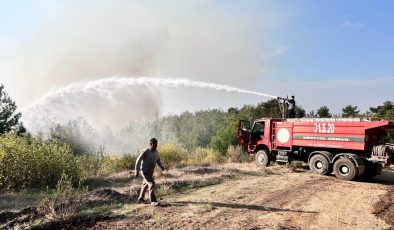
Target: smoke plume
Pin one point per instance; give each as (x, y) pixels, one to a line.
(93, 40)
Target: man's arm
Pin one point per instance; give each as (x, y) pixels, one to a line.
(159, 162)
(138, 163)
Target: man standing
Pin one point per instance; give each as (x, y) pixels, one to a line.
(145, 165)
(291, 107)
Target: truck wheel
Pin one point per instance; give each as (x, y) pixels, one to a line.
(345, 169)
(262, 159)
(320, 165)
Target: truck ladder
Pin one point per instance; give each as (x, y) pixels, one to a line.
(273, 135)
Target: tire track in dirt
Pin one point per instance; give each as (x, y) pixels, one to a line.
(294, 198)
(286, 204)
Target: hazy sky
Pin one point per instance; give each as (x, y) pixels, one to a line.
(325, 52)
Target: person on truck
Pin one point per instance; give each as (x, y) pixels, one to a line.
(282, 106)
(291, 105)
(145, 165)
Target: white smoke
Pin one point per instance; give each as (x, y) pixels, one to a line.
(194, 39)
(111, 102)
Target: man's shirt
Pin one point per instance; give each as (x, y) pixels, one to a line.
(147, 161)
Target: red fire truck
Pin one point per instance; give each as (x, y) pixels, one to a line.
(349, 147)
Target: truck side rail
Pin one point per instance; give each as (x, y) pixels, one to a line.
(336, 119)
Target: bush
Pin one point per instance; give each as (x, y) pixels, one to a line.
(128, 161)
(205, 156)
(95, 164)
(90, 164)
(235, 154)
(27, 162)
(32, 162)
(116, 163)
(173, 155)
(63, 204)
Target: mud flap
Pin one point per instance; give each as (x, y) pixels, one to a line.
(360, 164)
(379, 169)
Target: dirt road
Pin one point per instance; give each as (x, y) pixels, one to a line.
(276, 198)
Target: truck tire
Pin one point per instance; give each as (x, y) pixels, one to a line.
(345, 169)
(320, 165)
(262, 158)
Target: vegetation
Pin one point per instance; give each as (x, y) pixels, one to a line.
(64, 203)
(173, 155)
(28, 162)
(350, 111)
(71, 133)
(385, 111)
(9, 119)
(323, 111)
(33, 162)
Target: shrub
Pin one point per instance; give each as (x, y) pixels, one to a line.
(128, 161)
(27, 162)
(64, 203)
(235, 154)
(90, 164)
(95, 164)
(172, 154)
(205, 156)
(116, 163)
(32, 162)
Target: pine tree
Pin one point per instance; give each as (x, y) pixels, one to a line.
(350, 111)
(9, 119)
(323, 111)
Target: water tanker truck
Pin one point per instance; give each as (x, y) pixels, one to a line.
(349, 147)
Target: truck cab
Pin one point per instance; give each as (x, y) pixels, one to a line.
(257, 135)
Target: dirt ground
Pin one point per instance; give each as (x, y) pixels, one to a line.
(242, 196)
(278, 198)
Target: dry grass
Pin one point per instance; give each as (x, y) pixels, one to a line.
(63, 204)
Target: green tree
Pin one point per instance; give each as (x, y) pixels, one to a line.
(9, 119)
(323, 111)
(75, 134)
(311, 114)
(270, 109)
(385, 111)
(300, 112)
(226, 135)
(350, 111)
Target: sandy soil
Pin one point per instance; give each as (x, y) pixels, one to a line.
(277, 198)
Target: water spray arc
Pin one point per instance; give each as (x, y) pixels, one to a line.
(158, 82)
(97, 102)
(180, 82)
